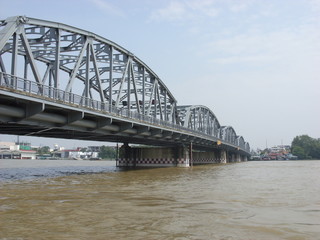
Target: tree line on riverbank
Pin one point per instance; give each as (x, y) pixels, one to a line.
(305, 147)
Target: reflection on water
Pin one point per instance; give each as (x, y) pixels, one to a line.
(253, 200)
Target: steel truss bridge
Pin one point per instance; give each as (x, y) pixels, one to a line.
(64, 82)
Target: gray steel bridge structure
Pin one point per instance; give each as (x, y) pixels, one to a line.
(64, 82)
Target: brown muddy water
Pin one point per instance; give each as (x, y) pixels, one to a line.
(42, 199)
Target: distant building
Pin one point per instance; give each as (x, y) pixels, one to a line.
(94, 148)
(23, 150)
(284, 149)
(8, 146)
(75, 154)
(280, 152)
(11, 150)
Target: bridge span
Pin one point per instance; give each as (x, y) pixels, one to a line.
(59, 81)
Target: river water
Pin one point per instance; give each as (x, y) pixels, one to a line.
(42, 199)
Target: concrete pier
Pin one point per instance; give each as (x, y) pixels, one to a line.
(145, 156)
(180, 156)
(223, 156)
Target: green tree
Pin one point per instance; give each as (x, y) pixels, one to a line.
(306, 147)
(43, 150)
(107, 152)
(315, 153)
(299, 152)
(84, 149)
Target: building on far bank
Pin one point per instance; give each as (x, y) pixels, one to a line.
(94, 148)
(24, 150)
(74, 154)
(11, 150)
(280, 152)
(8, 146)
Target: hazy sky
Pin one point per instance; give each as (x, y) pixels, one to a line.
(255, 63)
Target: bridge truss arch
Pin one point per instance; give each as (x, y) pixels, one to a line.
(247, 147)
(56, 79)
(228, 134)
(76, 61)
(199, 118)
(240, 142)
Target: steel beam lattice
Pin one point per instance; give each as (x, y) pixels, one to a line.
(199, 118)
(83, 63)
(70, 66)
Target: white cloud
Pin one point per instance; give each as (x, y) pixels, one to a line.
(244, 59)
(203, 7)
(266, 46)
(239, 6)
(107, 7)
(315, 4)
(185, 10)
(198, 9)
(174, 11)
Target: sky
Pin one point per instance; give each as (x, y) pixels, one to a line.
(254, 63)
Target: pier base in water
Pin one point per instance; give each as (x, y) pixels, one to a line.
(145, 156)
(180, 156)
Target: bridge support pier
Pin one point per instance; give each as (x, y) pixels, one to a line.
(231, 157)
(180, 156)
(238, 157)
(209, 157)
(148, 156)
(223, 156)
(184, 157)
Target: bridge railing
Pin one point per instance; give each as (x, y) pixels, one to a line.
(61, 96)
(58, 95)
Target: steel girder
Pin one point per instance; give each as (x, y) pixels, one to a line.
(228, 134)
(80, 62)
(68, 65)
(199, 118)
(247, 147)
(240, 142)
